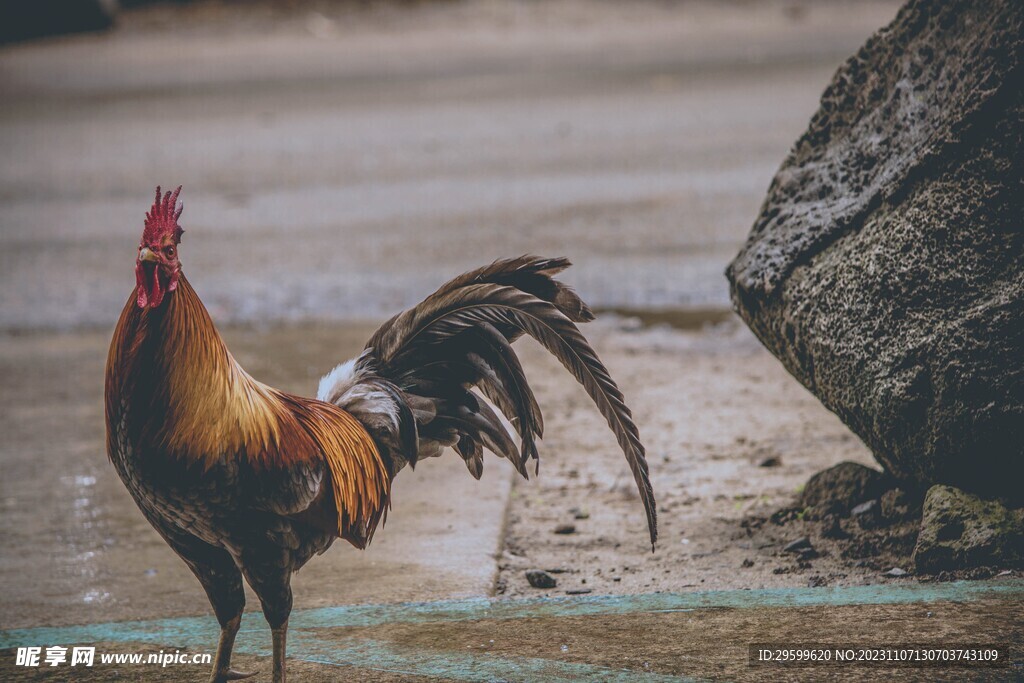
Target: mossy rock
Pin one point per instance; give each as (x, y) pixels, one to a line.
(961, 531)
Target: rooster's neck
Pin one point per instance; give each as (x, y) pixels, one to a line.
(186, 389)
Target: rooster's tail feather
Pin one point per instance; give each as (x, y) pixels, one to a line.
(412, 385)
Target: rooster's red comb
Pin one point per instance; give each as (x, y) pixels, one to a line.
(162, 217)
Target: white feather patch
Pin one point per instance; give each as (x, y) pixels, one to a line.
(362, 400)
(337, 380)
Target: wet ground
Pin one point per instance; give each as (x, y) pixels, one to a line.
(341, 165)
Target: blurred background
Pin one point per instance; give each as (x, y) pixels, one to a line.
(340, 159)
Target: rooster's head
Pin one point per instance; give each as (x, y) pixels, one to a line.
(157, 268)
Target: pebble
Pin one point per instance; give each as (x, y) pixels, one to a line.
(868, 515)
(808, 554)
(895, 571)
(565, 529)
(772, 461)
(540, 579)
(798, 545)
(578, 591)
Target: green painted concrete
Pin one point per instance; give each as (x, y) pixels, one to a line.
(305, 641)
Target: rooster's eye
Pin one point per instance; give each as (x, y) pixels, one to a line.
(169, 252)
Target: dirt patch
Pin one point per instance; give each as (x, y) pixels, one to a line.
(731, 440)
(830, 542)
(154, 673)
(712, 643)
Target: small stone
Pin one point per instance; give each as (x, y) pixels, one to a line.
(558, 570)
(771, 461)
(831, 528)
(798, 545)
(808, 554)
(786, 515)
(842, 487)
(565, 529)
(747, 563)
(895, 571)
(579, 513)
(539, 578)
(616, 579)
(868, 515)
(578, 591)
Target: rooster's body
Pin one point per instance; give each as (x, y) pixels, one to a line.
(243, 480)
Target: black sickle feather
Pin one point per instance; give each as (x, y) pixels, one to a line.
(460, 337)
(496, 304)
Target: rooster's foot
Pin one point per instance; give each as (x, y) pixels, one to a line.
(231, 675)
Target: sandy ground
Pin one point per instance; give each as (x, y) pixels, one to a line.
(339, 164)
(712, 405)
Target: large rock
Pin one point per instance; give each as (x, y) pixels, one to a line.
(886, 269)
(959, 530)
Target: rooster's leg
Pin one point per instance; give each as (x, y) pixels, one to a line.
(222, 671)
(280, 637)
(228, 600)
(268, 571)
(217, 572)
(223, 583)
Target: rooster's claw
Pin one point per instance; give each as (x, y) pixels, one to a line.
(231, 675)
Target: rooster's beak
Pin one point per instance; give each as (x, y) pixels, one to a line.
(146, 254)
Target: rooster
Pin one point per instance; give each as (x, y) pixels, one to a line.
(244, 481)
